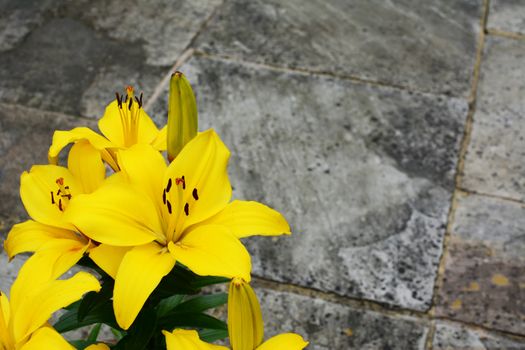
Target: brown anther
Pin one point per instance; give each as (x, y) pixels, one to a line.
(169, 185)
(52, 198)
(194, 194)
(119, 101)
(60, 204)
(187, 209)
(169, 206)
(164, 196)
(130, 103)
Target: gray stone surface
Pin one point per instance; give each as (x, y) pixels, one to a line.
(25, 137)
(365, 186)
(427, 46)
(449, 336)
(507, 15)
(82, 52)
(485, 266)
(327, 325)
(19, 18)
(495, 162)
(8, 270)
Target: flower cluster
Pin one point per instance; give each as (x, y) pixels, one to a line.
(152, 230)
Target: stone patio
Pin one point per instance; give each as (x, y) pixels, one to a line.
(390, 134)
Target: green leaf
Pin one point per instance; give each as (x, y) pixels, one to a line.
(203, 281)
(168, 304)
(93, 299)
(202, 303)
(211, 335)
(93, 335)
(140, 333)
(103, 313)
(191, 320)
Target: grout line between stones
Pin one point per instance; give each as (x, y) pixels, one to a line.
(460, 165)
(186, 55)
(368, 305)
(304, 71)
(508, 35)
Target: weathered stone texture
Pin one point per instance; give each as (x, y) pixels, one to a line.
(329, 326)
(507, 15)
(82, 52)
(428, 46)
(485, 266)
(449, 336)
(363, 174)
(495, 162)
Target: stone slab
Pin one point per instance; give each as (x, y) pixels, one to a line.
(484, 281)
(426, 46)
(495, 161)
(450, 336)
(507, 16)
(328, 325)
(81, 53)
(25, 137)
(363, 174)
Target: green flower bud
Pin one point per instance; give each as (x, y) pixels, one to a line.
(182, 114)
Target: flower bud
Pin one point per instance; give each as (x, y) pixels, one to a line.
(182, 114)
(245, 324)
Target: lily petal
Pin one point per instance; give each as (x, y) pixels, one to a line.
(5, 336)
(205, 189)
(108, 257)
(212, 250)
(30, 235)
(250, 218)
(160, 142)
(145, 168)
(62, 138)
(245, 323)
(36, 188)
(50, 262)
(286, 341)
(139, 273)
(124, 216)
(38, 305)
(188, 340)
(47, 338)
(85, 163)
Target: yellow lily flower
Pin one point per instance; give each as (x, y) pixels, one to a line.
(124, 124)
(245, 327)
(179, 212)
(189, 340)
(34, 299)
(46, 192)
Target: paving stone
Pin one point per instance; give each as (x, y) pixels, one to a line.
(484, 281)
(363, 174)
(450, 336)
(19, 18)
(495, 161)
(427, 46)
(25, 136)
(327, 325)
(82, 52)
(507, 15)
